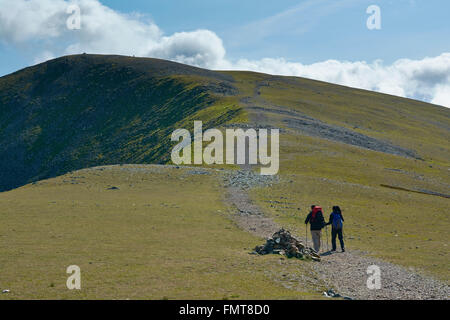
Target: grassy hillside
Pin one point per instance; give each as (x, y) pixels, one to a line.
(416, 126)
(165, 233)
(84, 110)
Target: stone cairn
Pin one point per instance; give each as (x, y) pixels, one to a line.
(283, 243)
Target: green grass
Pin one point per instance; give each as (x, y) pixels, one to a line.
(164, 234)
(168, 235)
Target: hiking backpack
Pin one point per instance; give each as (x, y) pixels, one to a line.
(336, 220)
(314, 213)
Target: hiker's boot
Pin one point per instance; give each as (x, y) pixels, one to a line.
(343, 250)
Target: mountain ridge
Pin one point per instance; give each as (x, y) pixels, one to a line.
(56, 113)
(86, 110)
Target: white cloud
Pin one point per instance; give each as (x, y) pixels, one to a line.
(26, 20)
(41, 26)
(103, 30)
(442, 95)
(200, 48)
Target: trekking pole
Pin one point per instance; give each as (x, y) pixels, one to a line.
(321, 243)
(306, 235)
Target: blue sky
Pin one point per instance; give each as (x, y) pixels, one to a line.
(286, 37)
(412, 29)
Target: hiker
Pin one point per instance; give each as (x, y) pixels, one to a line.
(315, 218)
(336, 221)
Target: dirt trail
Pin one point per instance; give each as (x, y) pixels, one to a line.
(346, 273)
(248, 215)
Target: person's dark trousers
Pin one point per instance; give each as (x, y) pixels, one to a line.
(334, 233)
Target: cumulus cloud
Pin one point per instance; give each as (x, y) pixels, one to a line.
(200, 48)
(26, 20)
(42, 26)
(102, 30)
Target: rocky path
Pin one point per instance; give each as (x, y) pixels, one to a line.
(345, 273)
(248, 215)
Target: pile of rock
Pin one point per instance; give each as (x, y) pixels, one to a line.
(282, 242)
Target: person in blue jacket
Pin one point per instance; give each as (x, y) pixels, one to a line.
(337, 222)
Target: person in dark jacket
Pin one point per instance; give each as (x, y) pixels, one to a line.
(336, 221)
(317, 222)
